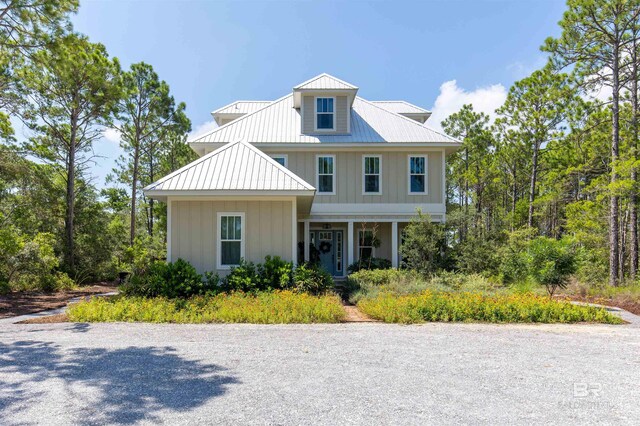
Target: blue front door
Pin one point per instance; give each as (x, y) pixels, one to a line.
(330, 250)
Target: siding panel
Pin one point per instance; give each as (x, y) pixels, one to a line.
(194, 230)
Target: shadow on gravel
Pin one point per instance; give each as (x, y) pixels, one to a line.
(106, 386)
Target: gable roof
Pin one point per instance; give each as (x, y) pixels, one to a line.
(325, 81)
(235, 167)
(280, 122)
(401, 107)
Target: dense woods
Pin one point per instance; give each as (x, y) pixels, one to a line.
(57, 229)
(560, 161)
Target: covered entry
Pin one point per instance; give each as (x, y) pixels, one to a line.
(328, 246)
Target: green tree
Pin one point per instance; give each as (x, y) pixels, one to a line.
(145, 111)
(594, 36)
(535, 108)
(423, 242)
(471, 165)
(72, 88)
(24, 26)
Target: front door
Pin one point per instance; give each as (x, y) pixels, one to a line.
(330, 250)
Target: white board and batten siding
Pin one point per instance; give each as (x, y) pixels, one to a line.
(267, 230)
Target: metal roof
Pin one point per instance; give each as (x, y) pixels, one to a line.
(401, 107)
(237, 166)
(241, 107)
(280, 122)
(325, 81)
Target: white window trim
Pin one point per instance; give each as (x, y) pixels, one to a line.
(333, 182)
(315, 113)
(373, 249)
(243, 231)
(285, 156)
(426, 174)
(379, 157)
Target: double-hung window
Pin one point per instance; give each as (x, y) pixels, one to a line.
(418, 174)
(326, 174)
(324, 114)
(371, 174)
(230, 239)
(365, 243)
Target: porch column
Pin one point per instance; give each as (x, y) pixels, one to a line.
(394, 244)
(305, 240)
(349, 243)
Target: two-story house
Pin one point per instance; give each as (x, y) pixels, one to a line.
(317, 172)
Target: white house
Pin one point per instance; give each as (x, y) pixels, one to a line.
(317, 172)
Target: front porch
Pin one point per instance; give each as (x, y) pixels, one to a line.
(338, 243)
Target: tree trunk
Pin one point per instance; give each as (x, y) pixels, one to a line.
(613, 203)
(515, 196)
(70, 206)
(633, 201)
(134, 189)
(532, 184)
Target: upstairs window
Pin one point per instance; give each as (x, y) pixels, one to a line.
(324, 113)
(418, 174)
(371, 174)
(326, 174)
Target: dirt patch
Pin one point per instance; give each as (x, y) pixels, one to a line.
(355, 315)
(49, 319)
(22, 303)
(627, 304)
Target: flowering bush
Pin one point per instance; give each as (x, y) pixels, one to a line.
(276, 307)
(444, 306)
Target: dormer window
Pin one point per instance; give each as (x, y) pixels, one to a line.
(325, 119)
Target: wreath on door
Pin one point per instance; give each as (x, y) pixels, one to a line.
(325, 247)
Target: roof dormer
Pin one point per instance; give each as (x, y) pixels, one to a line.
(325, 104)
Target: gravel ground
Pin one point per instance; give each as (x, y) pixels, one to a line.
(367, 373)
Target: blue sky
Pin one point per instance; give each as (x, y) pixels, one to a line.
(436, 54)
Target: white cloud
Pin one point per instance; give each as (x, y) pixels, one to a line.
(519, 69)
(202, 129)
(111, 135)
(452, 98)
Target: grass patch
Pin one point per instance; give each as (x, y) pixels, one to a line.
(369, 284)
(471, 307)
(278, 307)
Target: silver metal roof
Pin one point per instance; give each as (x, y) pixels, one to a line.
(325, 81)
(237, 166)
(241, 107)
(401, 107)
(280, 122)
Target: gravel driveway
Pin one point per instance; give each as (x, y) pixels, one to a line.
(319, 374)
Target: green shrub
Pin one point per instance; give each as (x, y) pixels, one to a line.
(552, 262)
(477, 254)
(370, 263)
(423, 243)
(30, 263)
(514, 265)
(368, 284)
(243, 277)
(277, 307)
(444, 306)
(274, 273)
(309, 278)
(172, 280)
